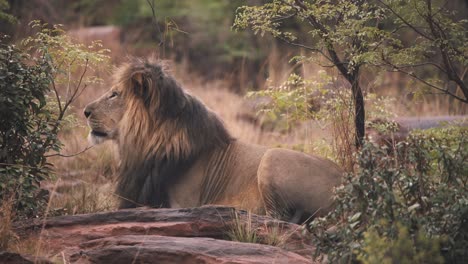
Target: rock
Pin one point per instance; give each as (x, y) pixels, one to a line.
(191, 235)
(161, 249)
(404, 125)
(15, 258)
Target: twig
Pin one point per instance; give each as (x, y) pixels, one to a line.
(417, 65)
(155, 22)
(69, 155)
(445, 91)
(305, 47)
(284, 17)
(129, 200)
(405, 21)
(77, 87)
(57, 97)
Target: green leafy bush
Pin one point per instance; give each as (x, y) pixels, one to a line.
(404, 249)
(422, 184)
(35, 94)
(26, 125)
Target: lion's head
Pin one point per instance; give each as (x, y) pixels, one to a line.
(142, 93)
(160, 129)
(104, 115)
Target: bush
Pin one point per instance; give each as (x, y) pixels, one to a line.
(33, 108)
(422, 184)
(404, 249)
(26, 128)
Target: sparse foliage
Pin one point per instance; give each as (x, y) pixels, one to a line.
(321, 100)
(438, 56)
(358, 36)
(4, 6)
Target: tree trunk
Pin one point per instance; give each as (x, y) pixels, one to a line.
(359, 110)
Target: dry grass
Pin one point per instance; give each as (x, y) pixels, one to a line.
(7, 214)
(275, 235)
(243, 229)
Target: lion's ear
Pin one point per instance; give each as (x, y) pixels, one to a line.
(139, 83)
(138, 77)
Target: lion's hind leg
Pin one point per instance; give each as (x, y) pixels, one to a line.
(275, 205)
(278, 187)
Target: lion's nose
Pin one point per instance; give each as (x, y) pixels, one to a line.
(87, 113)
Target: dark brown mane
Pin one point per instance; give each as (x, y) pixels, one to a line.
(163, 131)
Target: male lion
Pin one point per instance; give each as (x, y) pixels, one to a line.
(175, 152)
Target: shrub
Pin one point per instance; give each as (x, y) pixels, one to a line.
(33, 109)
(26, 128)
(404, 249)
(422, 184)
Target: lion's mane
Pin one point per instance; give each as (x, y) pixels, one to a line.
(162, 132)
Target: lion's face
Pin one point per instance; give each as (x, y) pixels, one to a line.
(104, 116)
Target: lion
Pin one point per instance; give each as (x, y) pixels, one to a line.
(175, 152)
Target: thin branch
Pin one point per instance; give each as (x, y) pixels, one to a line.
(421, 65)
(67, 96)
(155, 22)
(57, 97)
(284, 17)
(412, 75)
(438, 32)
(334, 58)
(63, 109)
(304, 46)
(391, 33)
(442, 7)
(77, 87)
(69, 79)
(69, 155)
(82, 90)
(406, 22)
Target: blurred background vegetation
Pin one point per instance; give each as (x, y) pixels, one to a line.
(198, 33)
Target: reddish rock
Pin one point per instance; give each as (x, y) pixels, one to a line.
(192, 235)
(161, 249)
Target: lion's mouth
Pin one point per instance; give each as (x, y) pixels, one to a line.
(99, 133)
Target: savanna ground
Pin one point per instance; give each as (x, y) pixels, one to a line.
(84, 182)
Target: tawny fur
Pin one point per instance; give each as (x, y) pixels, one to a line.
(175, 152)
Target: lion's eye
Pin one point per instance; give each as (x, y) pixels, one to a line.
(113, 94)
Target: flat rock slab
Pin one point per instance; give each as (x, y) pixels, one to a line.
(146, 235)
(161, 249)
